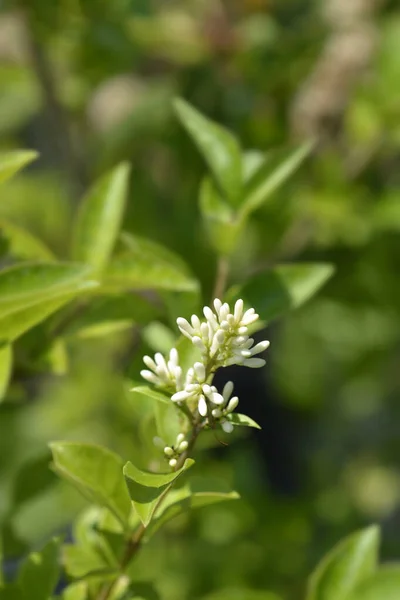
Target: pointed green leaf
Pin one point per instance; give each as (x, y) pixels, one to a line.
(384, 584)
(198, 492)
(40, 572)
(6, 357)
(242, 420)
(219, 148)
(284, 288)
(276, 172)
(100, 217)
(146, 264)
(29, 284)
(146, 488)
(22, 244)
(96, 472)
(11, 162)
(16, 324)
(82, 561)
(253, 160)
(349, 563)
(145, 390)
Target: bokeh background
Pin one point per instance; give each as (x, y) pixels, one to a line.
(89, 83)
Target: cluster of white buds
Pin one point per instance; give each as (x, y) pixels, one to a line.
(173, 452)
(223, 340)
(167, 374)
(223, 337)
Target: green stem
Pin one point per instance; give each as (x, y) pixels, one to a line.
(221, 279)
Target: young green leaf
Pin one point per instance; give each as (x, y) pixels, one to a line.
(146, 488)
(276, 172)
(96, 472)
(29, 284)
(100, 217)
(22, 244)
(40, 572)
(146, 264)
(76, 591)
(11, 162)
(219, 148)
(284, 288)
(6, 357)
(349, 563)
(242, 420)
(384, 584)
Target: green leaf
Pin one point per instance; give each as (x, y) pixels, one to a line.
(242, 420)
(350, 562)
(277, 170)
(96, 472)
(284, 288)
(219, 218)
(219, 148)
(145, 390)
(6, 358)
(83, 561)
(146, 488)
(100, 217)
(40, 572)
(146, 264)
(168, 421)
(109, 313)
(384, 584)
(76, 591)
(198, 492)
(22, 244)
(33, 478)
(11, 162)
(30, 284)
(253, 160)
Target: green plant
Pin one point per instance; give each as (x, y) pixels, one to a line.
(118, 281)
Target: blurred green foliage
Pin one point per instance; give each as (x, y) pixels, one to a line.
(90, 84)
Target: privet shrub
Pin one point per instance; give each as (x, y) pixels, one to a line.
(111, 280)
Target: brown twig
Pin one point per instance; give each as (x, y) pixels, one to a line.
(221, 279)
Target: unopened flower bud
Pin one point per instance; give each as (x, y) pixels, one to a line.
(173, 462)
(168, 451)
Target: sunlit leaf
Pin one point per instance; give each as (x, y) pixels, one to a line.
(22, 244)
(12, 162)
(29, 284)
(76, 591)
(96, 472)
(349, 563)
(242, 420)
(218, 146)
(384, 584)
(146, 488)
(284, 288)
(6, 357)
(100, 217)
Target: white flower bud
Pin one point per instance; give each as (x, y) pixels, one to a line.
(173, 462)
(202, 406)
(149, 362)
(232, 404)
(168, 451)
(216, 413)
(195, 322)
(198, 342)
(185, 327)
(217, 305)
(200, 371)
(254, 363)
(238, 310)
(179, 438)
(260, 347)
(227, 426)
(227, 391)
(149, 376)
(180, 396)
(183, 446)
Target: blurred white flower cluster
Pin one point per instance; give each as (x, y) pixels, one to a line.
(223, 340)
